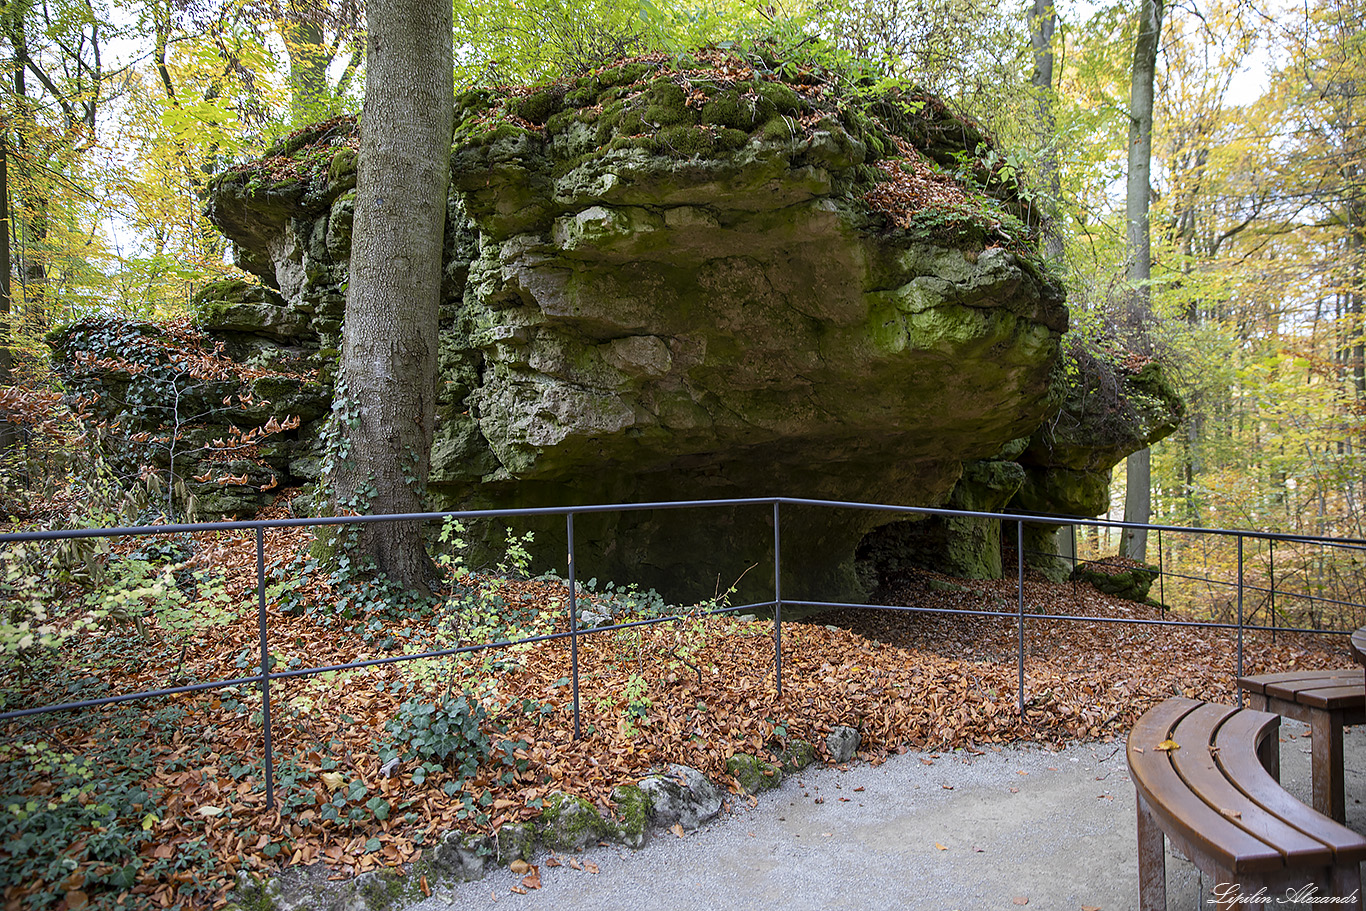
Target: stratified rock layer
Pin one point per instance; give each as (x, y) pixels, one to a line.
(704, 283)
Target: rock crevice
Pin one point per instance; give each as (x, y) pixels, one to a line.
(693, 282)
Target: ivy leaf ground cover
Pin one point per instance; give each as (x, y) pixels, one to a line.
(161, 803)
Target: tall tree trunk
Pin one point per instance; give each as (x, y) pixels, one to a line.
(385, 399)
(6, 307)
(1043, 21)
(1137, 488)
(9, 434)
(31, 227)
(309, 91)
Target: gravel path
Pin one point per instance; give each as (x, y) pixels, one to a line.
(1001, 829)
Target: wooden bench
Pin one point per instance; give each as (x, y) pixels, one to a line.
(1358, 645)
(1324, 700)
(1216, 796)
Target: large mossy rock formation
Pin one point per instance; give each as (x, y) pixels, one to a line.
(1117, 576)
(694, 280)
(1110, 411)
(229, 408)
(702, 282)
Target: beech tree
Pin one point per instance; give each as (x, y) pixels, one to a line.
(1138, 487)
(384, 404)
(1043, 23)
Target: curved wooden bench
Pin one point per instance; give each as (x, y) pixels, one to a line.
(1324, 700)
(1358, 645)
(1216, 797)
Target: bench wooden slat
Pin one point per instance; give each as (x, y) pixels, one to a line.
(1237, 741)
(1202, 774)
(1181, 812)
(1330, 694)
(1259, 682)
(1264, 842)
(1326, 700)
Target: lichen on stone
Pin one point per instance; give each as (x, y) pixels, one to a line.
(754, 774)
(680, 277)
(569, 823)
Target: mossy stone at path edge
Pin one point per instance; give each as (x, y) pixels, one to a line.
(754, 774)
(569, 823)
(796, 755)
(632, 815)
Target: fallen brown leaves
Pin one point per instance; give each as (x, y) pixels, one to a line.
(911, 183)
(905, 680)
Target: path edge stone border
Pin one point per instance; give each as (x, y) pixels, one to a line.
(678, 796)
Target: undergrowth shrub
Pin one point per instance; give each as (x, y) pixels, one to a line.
(75, 828)
(447, 731)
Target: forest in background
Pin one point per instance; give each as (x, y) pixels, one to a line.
(113, 121)
(112, 124)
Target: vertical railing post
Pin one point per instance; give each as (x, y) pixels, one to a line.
(1019, 560)
(1161, 574)
(1271, 583)
(573, 624)
(1240, 617)
(265, 663)
(777, 601)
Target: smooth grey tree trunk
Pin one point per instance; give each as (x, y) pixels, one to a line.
(9, 435)
(1043, 21)
(1138, 486)
(384, 403)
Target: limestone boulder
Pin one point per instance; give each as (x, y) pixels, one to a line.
(682, 796)
(700, 283)
(687, 280)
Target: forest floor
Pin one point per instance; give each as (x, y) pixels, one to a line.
(160, 803)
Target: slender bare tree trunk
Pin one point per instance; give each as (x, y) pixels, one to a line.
(9, 436)
(1138, 487)
(6, 305)
(1043, 21)
(308, 59)
(385, 397)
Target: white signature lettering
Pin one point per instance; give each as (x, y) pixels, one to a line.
(1305, 895)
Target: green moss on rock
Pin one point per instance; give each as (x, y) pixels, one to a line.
(795, 756)
(724, 109)
(341, 172)
(729, 140)
(569, 823)
(778, 129)
(754, 774)
(780, 95)
(666, 103)
(632, 815)
(685, 141)
(625, 74)
(1119, 577)
(538, 107)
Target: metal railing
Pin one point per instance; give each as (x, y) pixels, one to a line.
(266, 675)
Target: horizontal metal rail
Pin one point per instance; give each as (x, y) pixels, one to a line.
(267, 674)
(1029, 518)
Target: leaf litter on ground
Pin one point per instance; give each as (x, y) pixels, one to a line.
(918, 681)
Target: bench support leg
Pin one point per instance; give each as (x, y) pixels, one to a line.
(1346, 880)
(1269, 752)
(1329, 795)
(1152, 861)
